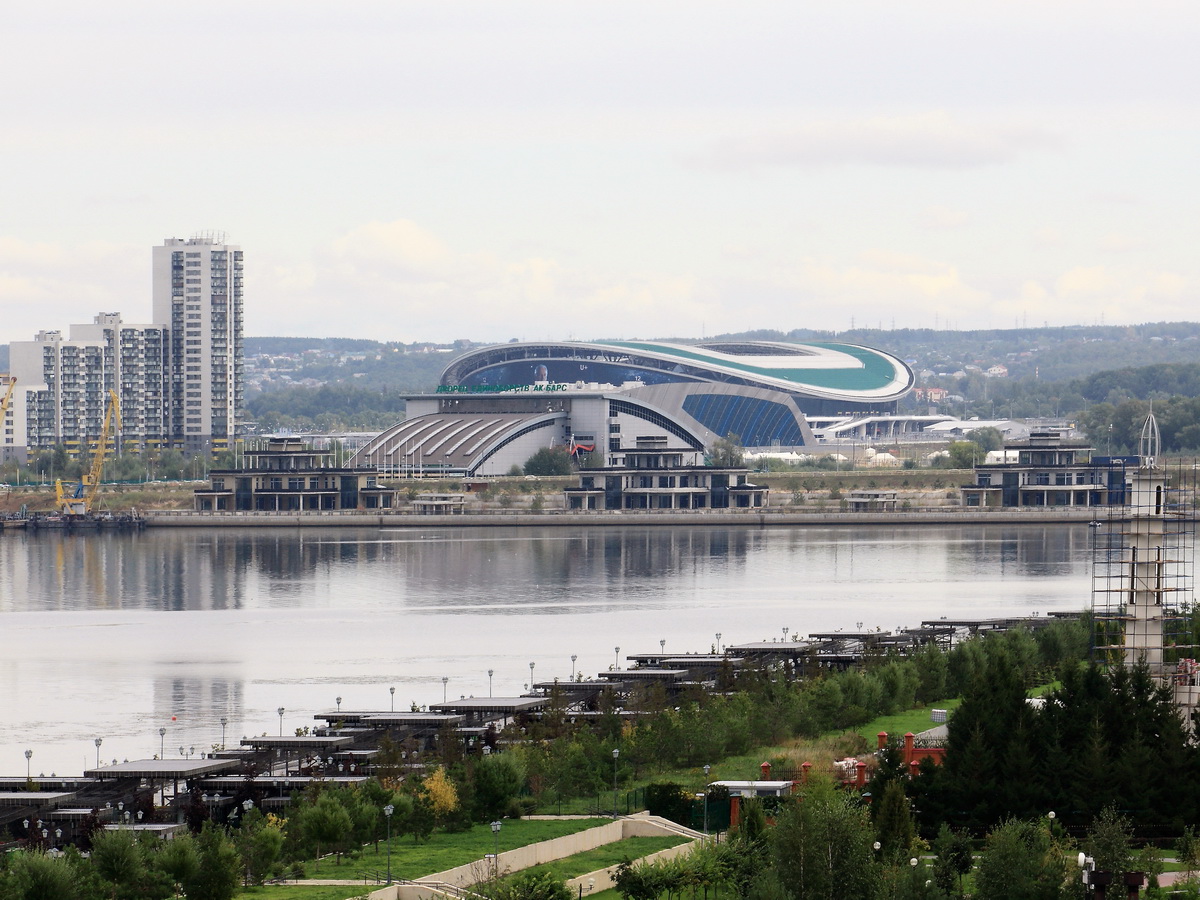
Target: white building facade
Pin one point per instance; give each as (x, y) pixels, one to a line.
(197, 291)
(179, 379)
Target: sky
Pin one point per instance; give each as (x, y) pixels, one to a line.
(553, 170)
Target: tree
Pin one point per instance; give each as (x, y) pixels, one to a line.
(441, 793)
(549, 461)
(531, 885)
(326, 822)
(498, 778)
(1021, 861)
(33, 876)
(1108, 841)
(954, 859)
(822, 847)
(893, 822)
(727, 452)
(217, 876)
(118, 858)
(178, 859)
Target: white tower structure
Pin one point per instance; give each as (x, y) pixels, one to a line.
(1142, 580)
(198, 295)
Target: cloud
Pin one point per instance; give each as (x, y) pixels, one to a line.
(929, 140)
(943, 218)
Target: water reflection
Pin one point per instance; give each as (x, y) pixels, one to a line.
(110, 635)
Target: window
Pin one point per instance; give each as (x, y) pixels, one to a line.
(295, 484)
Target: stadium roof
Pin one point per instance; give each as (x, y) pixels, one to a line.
(821, 369)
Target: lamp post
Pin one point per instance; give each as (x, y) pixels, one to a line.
(531, 676)
(490, 673)
(98, 742)
(573, 658)
(224, 722)
(445, 681)
(339, 703)
(718, 642)
(392, 691)
(280, 712)
(162, 743)
(387, 813)
(616, 659)
(706, 770)
(28, 756)
(662, 648)
(616, 753)
(495, 848)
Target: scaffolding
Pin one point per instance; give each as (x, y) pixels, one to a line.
(1142, 575)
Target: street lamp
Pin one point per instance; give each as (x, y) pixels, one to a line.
(339, 703)
(495, 848)
(616, 753)
(662, 646)
(616, 659)
(490, 673)
(573, 658)
(28, 756)
(392, 691)
(98, 742)
(718, 642)
(706, 770)
(531, 676)
(280, 712)
(162, 743)
(445, 680)
(224, 722)
(387, 812)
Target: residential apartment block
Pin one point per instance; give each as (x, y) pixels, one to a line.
(198, 296)
(179, 378)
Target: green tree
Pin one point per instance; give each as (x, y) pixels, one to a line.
(326, 823)
(954, 859)
(118, 859)
(1021, 861)
(529, 885)
(178, 859)
(727, 452)
(34, 876)
(822, 847)
(498, 778)
(549, 461)
(1108, 841)
(217, 876)
(893, 822)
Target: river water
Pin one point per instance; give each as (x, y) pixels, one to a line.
(118, 635)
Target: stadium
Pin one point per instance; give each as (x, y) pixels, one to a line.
(497, 405)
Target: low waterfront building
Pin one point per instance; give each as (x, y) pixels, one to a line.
(664, 480)
(286, 474)
(1047, 471)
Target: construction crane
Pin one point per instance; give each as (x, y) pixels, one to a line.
(76, 498)
(12, 383)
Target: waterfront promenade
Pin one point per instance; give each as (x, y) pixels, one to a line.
(949, 515)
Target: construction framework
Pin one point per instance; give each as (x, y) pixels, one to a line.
(1143, 576)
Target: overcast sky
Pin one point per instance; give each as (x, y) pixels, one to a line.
(409, 170)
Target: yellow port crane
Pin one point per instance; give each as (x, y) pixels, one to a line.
(75, 498)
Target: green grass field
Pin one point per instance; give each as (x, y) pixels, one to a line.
(608, 855)
(446, 851)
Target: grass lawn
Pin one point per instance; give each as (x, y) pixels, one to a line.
(914, 720)
(608, 855)
(446, 851)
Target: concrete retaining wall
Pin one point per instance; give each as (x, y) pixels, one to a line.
(619, 518)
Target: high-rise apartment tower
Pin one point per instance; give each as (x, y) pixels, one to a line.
(198, 295)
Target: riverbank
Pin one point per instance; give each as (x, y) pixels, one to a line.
(748, 518)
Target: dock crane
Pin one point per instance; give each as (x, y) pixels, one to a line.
(75, 498)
